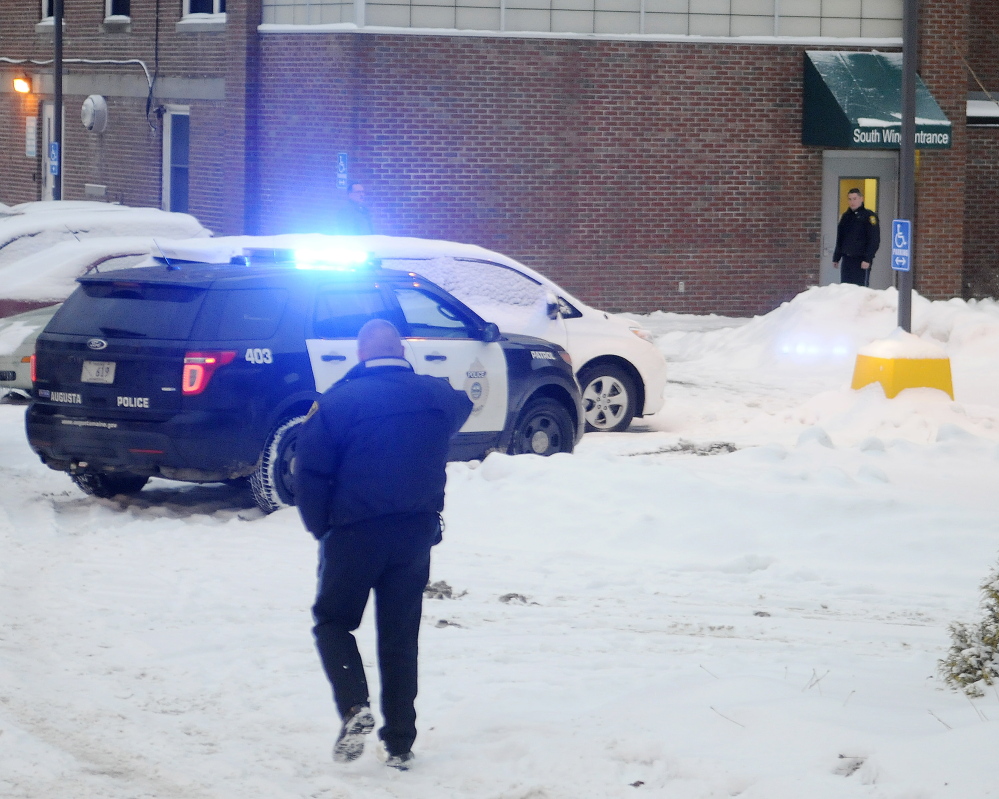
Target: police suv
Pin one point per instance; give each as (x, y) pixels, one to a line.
(202, 372)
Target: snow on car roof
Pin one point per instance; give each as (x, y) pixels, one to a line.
(34, 226)
(222, 249)
(493, 297)
(50, 274)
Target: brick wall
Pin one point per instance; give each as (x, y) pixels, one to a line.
(983, 46)
(619, 169)
(127, 157)
(940, 174)
(981, 255)
(20, 175)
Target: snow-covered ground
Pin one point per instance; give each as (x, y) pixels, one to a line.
(745, 595)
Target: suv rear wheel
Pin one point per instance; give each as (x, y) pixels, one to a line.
(544, 428)
(104, 485)
(273, 483)
(609, 397)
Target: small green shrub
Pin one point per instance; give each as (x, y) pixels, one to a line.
(972, 662)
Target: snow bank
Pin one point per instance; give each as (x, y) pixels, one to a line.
(819, 333)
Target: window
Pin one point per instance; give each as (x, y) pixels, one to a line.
(721, 18)
(475, 282)
(868, 190)
(134, 310)
(251, 313)
(431, 317)
(176, 159)
(117, 8)
(341, 314)
(203, 7)
(48, 9)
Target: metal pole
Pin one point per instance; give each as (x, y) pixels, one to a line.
(907, 153)
(57, 99)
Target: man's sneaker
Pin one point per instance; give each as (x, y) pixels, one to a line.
(350, 744)
(400, 762)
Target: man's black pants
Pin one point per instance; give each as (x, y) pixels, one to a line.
(390, 554)
(850, 271)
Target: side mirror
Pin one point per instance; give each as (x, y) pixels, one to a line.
(552, 306)
(490, 333)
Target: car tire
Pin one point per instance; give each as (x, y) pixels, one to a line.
(273, 481)
(543, 428)
(609, 398)
(105, 486)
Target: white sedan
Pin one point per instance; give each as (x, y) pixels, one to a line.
(621, 374)
(17, 345)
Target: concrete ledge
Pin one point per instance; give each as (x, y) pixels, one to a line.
(202, 23)
(897, 374)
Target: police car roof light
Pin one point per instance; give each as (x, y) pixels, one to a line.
(326, 258)
(337, 258)
(274, 255)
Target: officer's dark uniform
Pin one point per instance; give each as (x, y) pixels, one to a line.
(369, 484)
(353, 219)
(858, 237)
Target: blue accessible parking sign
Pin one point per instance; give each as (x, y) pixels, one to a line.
(901, 244)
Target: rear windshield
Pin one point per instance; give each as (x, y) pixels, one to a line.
(129, 310)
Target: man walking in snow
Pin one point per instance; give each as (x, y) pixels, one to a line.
(369, 485)
(858, 237)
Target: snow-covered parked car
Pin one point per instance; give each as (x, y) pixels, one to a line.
(31, 227)
(45, 246)
(621, 374)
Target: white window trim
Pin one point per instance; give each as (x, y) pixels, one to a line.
(47, 19)
(166, 166)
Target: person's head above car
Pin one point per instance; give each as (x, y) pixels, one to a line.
(378, 338)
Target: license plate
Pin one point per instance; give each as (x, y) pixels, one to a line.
(98, 372)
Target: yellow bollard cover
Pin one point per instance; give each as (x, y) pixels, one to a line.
(897, 374)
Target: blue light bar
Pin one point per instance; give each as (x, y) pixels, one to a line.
(336, 258)
(326, 258)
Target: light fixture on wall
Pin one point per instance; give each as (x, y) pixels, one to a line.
(94, 113)
(22, 84)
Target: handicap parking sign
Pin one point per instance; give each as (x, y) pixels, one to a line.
(341, 170)
(901, 244)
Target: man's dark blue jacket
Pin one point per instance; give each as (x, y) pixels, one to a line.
(376, 444)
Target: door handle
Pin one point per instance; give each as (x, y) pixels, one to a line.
(333, 357)
(435, 357)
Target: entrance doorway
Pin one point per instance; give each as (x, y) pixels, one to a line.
(875, 173)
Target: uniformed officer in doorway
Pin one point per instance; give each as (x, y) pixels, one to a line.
(858, 237)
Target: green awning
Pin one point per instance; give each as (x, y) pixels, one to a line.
(854, 101)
